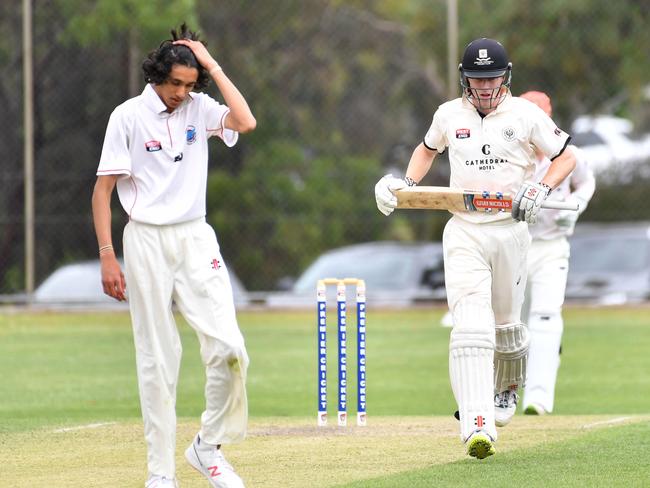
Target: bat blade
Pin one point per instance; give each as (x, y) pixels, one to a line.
(445, 198)
(454, 199)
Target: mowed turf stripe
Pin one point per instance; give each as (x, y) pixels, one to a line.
(599, 454)
(293, 452)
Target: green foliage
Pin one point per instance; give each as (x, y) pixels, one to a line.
(286, 206)
(100, 22)
(342, 91)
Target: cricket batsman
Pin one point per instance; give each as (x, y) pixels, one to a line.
(156, 153)
(490, 136)
(548, 266)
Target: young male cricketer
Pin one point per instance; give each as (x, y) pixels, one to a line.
(156, 153)
(490, 136)
(548, 266)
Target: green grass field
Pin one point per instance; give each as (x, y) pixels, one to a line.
(69, 409)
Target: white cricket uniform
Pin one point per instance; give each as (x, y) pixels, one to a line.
(485, 252)
(172, 254)
(548, 266)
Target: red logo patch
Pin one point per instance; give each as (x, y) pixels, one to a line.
(462, 133)
(214, 471)
(492, 203)
(216, 264)
(479, 421)
(152, 146)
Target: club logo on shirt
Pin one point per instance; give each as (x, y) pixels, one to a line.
(190, 134)
(153, 146)
(557, 131)
(216, 264)
(462, 133)
(509, 133)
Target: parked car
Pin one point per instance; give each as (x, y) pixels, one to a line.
(80, 284)
(610, 147)
(396, 274)
(610, 263)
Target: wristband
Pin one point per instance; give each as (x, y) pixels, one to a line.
(105, 249)
(409, 181)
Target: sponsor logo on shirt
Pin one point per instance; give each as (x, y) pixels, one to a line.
(462, 133)
(153, 146)
(486, 164)
(190, 134)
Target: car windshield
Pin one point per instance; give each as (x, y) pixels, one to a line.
(618, 254)
(381, 269)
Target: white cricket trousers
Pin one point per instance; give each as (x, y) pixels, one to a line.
(485, 278)
(181, 263)
(548, 266)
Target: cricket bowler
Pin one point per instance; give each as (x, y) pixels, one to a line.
(156, 153)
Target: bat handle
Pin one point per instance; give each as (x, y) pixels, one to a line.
(558, 205)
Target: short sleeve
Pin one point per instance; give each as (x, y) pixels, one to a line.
(436, 137)
(545, 135)
(115, 158)
(215, 116)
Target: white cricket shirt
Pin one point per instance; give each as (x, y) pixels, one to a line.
(581, 183)
(494, 152)
(163, 156)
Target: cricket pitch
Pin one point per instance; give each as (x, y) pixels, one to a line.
(279, 452)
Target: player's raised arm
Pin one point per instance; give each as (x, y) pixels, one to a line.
(240, 118)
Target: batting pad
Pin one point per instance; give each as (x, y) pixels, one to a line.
(471, 356)
(510, 356)
(543, 359)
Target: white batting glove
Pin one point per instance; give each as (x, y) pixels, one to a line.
(386, 199)
(528, 201)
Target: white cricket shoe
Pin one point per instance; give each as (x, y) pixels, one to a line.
(505, 405)
(211, 463)
(156, 481)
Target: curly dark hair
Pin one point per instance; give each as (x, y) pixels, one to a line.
(159, 63)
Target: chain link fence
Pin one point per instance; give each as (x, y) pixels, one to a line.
(342, 92)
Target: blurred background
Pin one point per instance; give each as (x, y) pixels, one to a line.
(342, 92)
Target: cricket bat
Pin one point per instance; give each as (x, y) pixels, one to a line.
(445, 198)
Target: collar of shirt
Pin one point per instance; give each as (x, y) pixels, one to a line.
(500, 108)
(153, 102)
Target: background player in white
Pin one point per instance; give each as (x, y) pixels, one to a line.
(548, 265)
(156, 153)
(489, 135)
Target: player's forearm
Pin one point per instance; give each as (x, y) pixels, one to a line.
(240, 117)
(560, 168)
(420, 163)
(101, 206)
